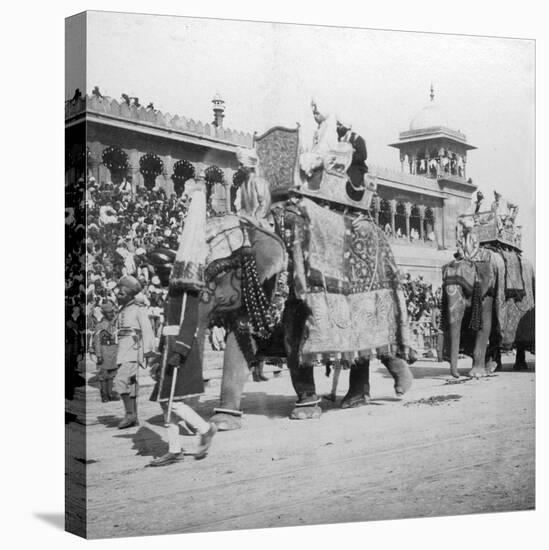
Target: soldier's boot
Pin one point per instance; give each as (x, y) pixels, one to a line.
(166, 459)
(130, 419)
(257, 373)
(103, 391)
(111, 394)
(205, 442)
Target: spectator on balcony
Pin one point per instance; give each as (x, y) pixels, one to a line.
(125, 188)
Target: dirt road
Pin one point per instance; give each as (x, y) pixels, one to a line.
(446, 449)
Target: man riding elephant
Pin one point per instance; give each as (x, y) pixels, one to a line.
(319, 313)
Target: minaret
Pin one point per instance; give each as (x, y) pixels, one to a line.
(219, 110)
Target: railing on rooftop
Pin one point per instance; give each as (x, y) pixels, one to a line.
(112, 107)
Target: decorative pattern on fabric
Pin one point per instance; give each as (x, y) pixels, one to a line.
(346, 274)
(357, 325)
(338, 254)
(277, 152)
(514, 282)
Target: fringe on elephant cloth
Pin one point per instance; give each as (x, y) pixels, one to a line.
(345, 272)
(514, 320)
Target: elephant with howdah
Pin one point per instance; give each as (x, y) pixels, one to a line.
(488, 307)
(274, 292)
(277, 291)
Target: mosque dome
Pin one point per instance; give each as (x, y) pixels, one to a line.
(430, 116)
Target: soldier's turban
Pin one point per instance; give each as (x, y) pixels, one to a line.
(247, 157)
(344, 120)
(130, 283)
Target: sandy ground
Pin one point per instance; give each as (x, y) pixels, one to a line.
(448, 448)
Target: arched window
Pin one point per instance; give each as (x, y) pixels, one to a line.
(384, 214)
(151, 166)
(216, 194)
(421, 162)
(238, 179)
(116, 160)
(183, 170)
(415, 222)
(429, 225)
(400, 220)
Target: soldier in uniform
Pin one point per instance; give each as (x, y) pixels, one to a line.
(135, 344)
(106, 349)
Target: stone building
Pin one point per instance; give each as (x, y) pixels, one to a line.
(148, 147)
(417, 206)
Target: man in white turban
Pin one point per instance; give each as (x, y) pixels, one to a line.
(253, 198)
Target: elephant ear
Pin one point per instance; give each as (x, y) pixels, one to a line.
(269, 252)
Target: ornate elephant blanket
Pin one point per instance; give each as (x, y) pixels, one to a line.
(514, 313)
(344, 270)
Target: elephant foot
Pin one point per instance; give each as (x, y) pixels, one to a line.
(400, 371)
(454, 372)
(353, 401)
(404, 381)
(305, 412)
(492, 367)
(306, 408)
(227, 420)
(478, 372)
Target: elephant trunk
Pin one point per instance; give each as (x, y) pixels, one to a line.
(454, 313)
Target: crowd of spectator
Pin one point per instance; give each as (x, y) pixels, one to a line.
(423, 304)
(122, 227)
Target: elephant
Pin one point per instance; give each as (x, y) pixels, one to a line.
(488, 306)
(246, 269)
(228, 294)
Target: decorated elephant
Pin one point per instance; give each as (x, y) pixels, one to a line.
(488, 307)
(323, 289)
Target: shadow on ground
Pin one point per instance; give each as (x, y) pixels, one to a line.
(56, 520)
(146, 442)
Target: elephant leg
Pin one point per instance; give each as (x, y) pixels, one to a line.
(303, 381)
(228, 415)
(401, 373)
(481, 343)
(456, 310)
(520, 360)
(359, 385)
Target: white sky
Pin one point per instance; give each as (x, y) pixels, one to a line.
(267, 73)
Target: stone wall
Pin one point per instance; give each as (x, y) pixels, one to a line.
(154, 118)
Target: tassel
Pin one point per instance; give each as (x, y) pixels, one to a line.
(476, 307)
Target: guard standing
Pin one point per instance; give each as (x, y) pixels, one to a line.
(106, 351)
(135, 344)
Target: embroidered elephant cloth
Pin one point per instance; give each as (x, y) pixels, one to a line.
(345, 271)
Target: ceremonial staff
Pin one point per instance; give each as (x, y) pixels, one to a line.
(175, 368)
